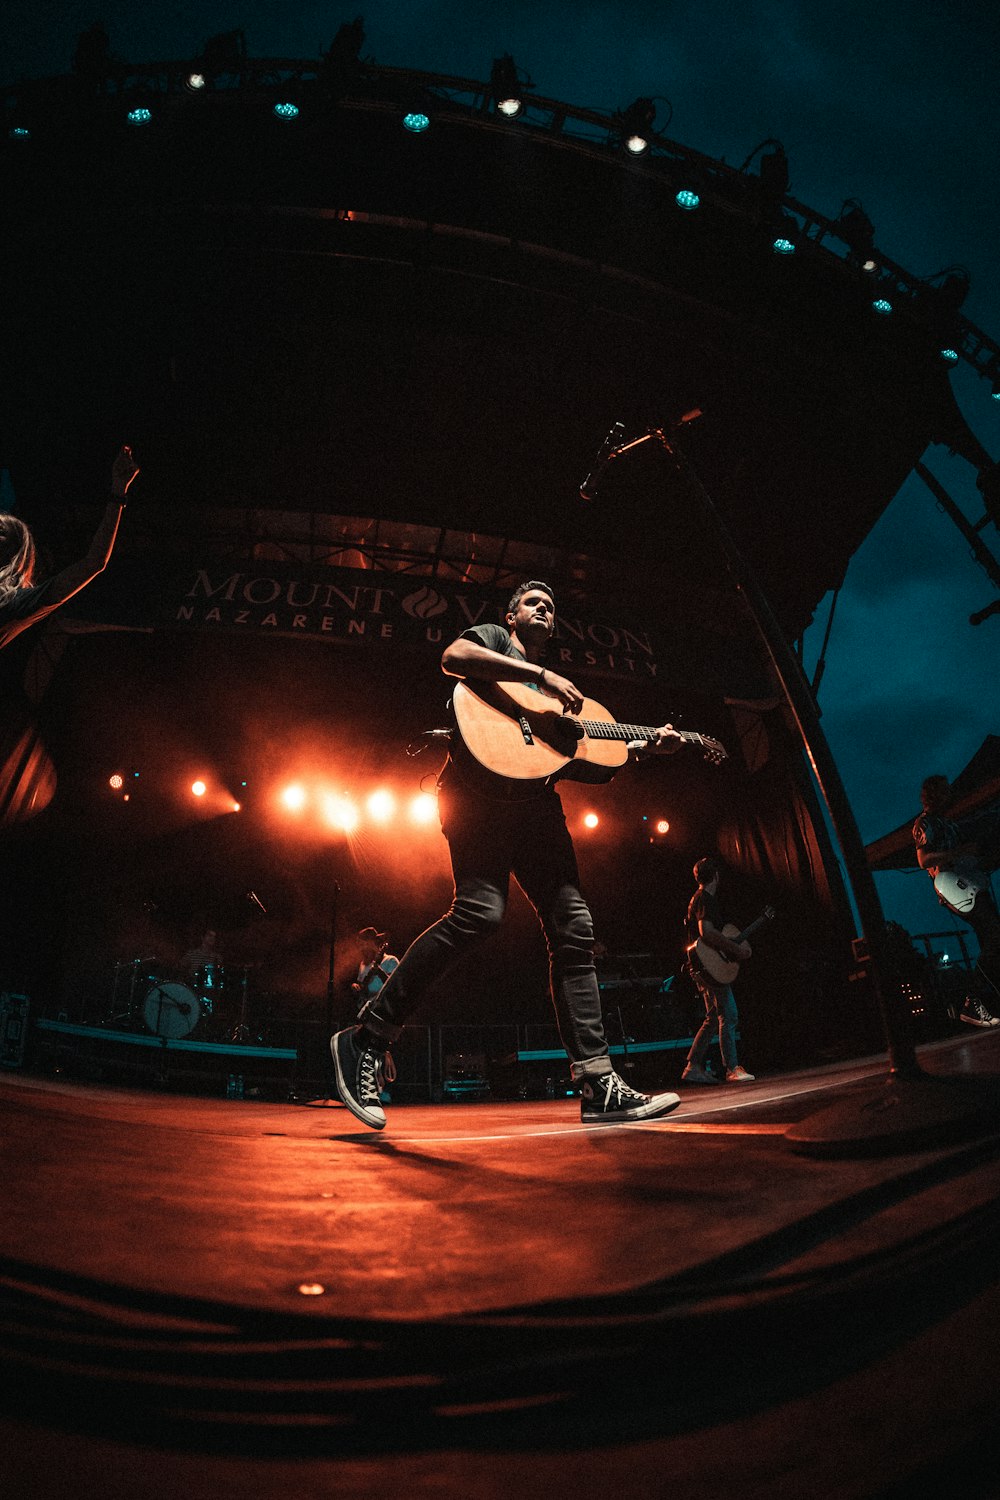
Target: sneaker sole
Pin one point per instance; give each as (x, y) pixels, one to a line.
(983, 1025)
(653, 1111)
(357, 1110)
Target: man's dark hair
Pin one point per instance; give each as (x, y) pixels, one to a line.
(705, 871)
(524, 588)
(929, 783)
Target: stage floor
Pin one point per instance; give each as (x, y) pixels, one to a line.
(484, 1295)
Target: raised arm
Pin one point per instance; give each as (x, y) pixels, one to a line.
(71, 580)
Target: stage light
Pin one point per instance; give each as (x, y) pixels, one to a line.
(381, 805)
(198, 788)
(950, 356)
(286, 111)
(423, 808)
(195, 82)
(140, 116)
(773, 173)
(871, 266)
(19, 133)
(416, 121)
(505, 87)
(116, 782)
(995, 390)
(855, 229)
(687, 199)
(662, 826)
(781, 245)
(224, 53)
(294, 797)
(635, 127)
(590, 820)
(340, 812)
(881, 306)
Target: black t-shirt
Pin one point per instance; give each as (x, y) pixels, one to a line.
(495, 638)
(702, 908)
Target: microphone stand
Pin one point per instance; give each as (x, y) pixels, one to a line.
(909, 1108)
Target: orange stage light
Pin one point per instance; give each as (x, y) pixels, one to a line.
(340, 812)
(662, 826)
(294, 797)
(423, 808)
(198, 788)
(590, 820)
(381, 805)
(116, 782)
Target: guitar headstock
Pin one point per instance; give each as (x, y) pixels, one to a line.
(713, 750)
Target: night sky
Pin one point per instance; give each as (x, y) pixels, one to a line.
(892, 105)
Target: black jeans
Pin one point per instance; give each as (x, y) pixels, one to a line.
(489, 842)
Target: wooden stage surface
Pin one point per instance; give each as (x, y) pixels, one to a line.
(228, 1297)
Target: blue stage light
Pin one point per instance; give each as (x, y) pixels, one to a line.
(781, 246)
(416, 121)
(139, 116)
(287, 111)
(880, 305)
(950, 356)
(19, 133)
(687, 199)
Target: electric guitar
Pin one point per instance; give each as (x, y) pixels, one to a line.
(374, 971)
(719, 968)
(524, 738)
(959, 886)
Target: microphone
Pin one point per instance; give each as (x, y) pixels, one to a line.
(588, 488)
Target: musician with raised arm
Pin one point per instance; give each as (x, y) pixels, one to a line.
(22, 600)
(949, 850)
(704, 925)
(491, 838)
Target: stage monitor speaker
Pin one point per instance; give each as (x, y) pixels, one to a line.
(13, 1029)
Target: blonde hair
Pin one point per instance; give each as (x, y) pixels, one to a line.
(17, 557)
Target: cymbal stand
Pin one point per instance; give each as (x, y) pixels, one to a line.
(240, 1033)
(128, 1014)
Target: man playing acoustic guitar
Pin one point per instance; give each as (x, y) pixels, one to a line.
(704, 925)
(491, 836)
(948, 850)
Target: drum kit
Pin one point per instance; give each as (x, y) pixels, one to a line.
(145, 994)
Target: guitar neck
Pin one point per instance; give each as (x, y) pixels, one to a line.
(599, 729)
(749, 931)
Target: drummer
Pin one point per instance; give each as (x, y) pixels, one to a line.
(202, 965)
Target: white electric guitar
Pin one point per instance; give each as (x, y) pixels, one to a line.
(959, 886)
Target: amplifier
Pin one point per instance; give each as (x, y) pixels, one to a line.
(13, 1029)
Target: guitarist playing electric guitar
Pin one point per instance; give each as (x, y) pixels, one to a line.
(705, 929)
(377, 963)
(949, 850)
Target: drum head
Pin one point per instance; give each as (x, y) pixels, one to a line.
(171, 1010)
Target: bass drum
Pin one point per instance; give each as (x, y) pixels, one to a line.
(171, 1010)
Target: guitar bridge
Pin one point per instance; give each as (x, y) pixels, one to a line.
(529, 738)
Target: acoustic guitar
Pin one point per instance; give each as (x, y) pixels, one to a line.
(719, 968)
(524, 738)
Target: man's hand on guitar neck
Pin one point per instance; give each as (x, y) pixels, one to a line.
(666, 740)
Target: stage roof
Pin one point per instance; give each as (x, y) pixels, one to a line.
(333, 316)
